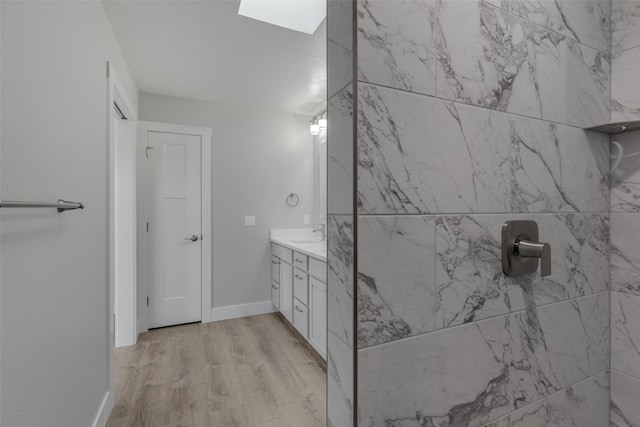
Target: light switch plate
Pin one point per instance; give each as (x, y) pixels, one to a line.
(307, 220)
(250, 220)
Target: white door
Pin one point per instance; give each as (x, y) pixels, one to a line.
(175, 228)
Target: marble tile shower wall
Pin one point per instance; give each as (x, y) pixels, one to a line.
(470, 113)
(625, 217)
(625, 50)
(625, 282)
(340, 219)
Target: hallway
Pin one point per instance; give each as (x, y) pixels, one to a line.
(244, 372)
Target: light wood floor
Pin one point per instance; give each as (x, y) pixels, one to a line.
(236, 373)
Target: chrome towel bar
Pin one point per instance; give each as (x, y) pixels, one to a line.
(60, 205)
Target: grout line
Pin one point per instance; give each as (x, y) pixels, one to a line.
(613, 55)
(338, 91)
(476, 322)
(564, 389)
(623, 293)
(535, 24)
(624, 374)
(443, 214)
(454, 101)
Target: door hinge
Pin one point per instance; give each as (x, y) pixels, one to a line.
(147, 150)
(147, 301)
(147, 227)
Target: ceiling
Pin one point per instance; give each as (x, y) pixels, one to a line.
(204, 50)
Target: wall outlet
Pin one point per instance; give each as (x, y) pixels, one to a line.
(250, 220)
(307, 220)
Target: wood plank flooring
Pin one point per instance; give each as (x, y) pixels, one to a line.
(243, 372)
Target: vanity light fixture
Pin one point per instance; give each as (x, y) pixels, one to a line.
(322, 122)
(318, 123)
(314, 128)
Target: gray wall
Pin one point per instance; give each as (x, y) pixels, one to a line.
(54, 347)
(259, 157)
(470, 114)
(625, 218)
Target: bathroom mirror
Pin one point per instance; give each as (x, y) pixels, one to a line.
(320, 177)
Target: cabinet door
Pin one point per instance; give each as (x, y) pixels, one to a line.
(275, 269)
(275, 294)
(301, 317)
(286, 291)
(318, 316)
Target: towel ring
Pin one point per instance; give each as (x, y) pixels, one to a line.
(293, 199)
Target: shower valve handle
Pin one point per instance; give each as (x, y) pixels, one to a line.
(525, 248)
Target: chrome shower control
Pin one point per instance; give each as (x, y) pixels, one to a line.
(521, 249)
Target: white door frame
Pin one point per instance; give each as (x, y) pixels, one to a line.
(116, 93)
(143, 214)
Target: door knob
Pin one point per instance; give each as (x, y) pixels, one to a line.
(521, 249)
(193, 238)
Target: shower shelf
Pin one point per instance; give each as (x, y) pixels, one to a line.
(618, 127)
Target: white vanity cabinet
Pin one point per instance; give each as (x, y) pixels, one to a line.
(299, 292)
(286, 290)
(318, 316)
(275, 281)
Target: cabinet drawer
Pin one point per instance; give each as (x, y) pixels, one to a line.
(301, 318)
(275, 294)
(281, 252)
(318, 269)
(275, 269)
(300, 260)
(301, 285)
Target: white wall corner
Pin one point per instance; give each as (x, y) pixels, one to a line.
(102, 416)
(241, 310)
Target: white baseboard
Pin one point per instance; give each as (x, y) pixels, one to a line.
(241, 310)
(102, 416)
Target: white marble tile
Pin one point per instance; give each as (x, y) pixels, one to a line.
(548, 56)
(625, 90)
(396, 278)
(625, 172)
(625, 411)
(557, 168)
(417, 154)
(548, 412)
(455, 377)
(493, 60)
(588, 85)
(587, 21)
(625, 252)
(595, 318)
(340, 148)
(625, 19)
(340, 277)
(587, 403)
(502, 422)
(340, 32)
(396, 47)
(552, 347)
(584, 245)
(545, 13)
(469, 279)
(625, 333)
(340, 377)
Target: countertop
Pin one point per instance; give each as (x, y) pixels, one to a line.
(301, 240)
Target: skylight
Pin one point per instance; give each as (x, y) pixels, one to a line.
(298, 15)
